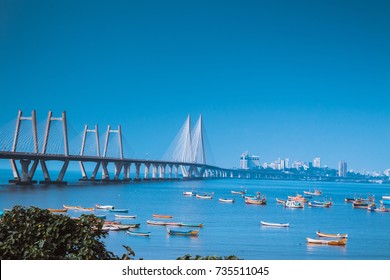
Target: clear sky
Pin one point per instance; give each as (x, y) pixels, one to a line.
(295, 79)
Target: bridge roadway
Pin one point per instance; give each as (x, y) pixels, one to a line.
(189, 170)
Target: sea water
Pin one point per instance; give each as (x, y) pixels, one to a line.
(229, 228)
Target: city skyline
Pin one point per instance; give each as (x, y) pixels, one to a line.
(296, 80)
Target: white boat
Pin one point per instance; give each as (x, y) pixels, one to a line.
(138, 233)
(274, 224)
(204, 196)
(293, 204)
(189, 193)
(104, 207)
(386, 197)
(226, 200)
(125, 216)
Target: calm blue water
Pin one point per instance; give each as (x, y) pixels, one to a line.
(228, 228)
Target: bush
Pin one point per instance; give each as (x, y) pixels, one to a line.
(36, 234)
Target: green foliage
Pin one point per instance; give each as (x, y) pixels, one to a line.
(36, 234)
(197, 257)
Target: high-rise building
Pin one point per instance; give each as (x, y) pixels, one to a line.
(342, 169)
(249, 161)
(317, 162)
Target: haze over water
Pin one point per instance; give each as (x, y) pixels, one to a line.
(229, 229)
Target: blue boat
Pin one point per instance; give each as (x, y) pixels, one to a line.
(119, 210)
(183, 233)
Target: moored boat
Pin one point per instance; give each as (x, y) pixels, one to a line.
(119, 210)
(315, 193)
(385, 202)
(85, 209)
(320, 204)
(274, 224)
(204, 196)
(183, 233)
(189, 193)
(138, 233)
(125, 216)
(101, 216)
(190, 225)
(282, 201)
(336, 242)
(293, 204)
(160, 223)
(127, 226)
(360, 204)
(261, 201)
(332, 235)
(162, 216)
(52, 210)
(104, 207)
(226, 200)
(69, 207)
(239, 192)
(386, 197)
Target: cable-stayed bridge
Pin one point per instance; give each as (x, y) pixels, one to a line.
(28, 149)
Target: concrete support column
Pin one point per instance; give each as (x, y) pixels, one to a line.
(95, 171)
(162, 171)
(177, 171)
(25, 164)
(155, 170)
(137, 171)
(170, 169)
(147, 167)
(105, 174)
(126, 171)
(118, 169)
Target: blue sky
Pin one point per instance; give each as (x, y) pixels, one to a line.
(295, 79)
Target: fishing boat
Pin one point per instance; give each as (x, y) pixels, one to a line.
(125, 216)
(274, 224)
(261, 201)
(160, 223)
(107, 228)
(183, 233)
(71, 207)
(57, 210)
(381, 208)
(79, 208)
(138, 233)
(190, 225)
(189, 193)
(293, 204)
(239, 192)
(298, 198)
(320, 204)
(386, 197)
(127, 226)
(336, 242)
(331, 235)
(226, 200)
(162, 216)
(315, 193)
(119, 210)
(359, 204)
(204, 196)
(104, 207)
(349, 199)
(282, 201)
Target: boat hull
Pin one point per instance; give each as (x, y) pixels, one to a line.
(273, 224)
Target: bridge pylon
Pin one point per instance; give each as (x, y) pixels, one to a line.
(27, 174)
(118, 164)
(82, 167)
(45, 170)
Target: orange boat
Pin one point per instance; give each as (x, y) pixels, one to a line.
(162, 216)
(57, 210)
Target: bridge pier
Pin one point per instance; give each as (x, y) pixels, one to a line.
(126, 172)
(147, 170)
(27, 175)
(155, 171)
(60, 179)
(137, 171)
(162, 171)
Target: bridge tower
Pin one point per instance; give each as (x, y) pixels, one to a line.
(45, 170)
(26, 178)
(118, 164)
(82, 168)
